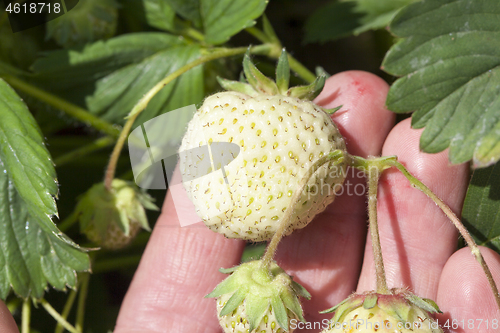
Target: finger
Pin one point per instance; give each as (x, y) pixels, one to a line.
(7, 323)
(326, 256)
(417, 238)
(178, 268)
(465, 296)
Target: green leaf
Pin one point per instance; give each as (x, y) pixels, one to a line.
(109, 78)
(33, 252)
(449, 58)
(377, 14)
(159, 14)
(345, 17)
(188, 9)
(117, 93)
(67, 69)
(26, 159)
(224, 18)
(482, 206)
(332, 21)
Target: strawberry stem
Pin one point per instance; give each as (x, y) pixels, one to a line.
(46, 305)
(383, 163)
(26, 316)
(373, 178)
(455, 220)
(337, 156)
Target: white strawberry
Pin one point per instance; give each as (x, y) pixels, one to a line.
(280, 135)
(255, 298)
(401, 312)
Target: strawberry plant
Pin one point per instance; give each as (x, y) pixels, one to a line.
(293, 161)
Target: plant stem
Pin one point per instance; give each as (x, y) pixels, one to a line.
(26, 316)
(68, 222)
(301, 70)
(58, 317)
(373, 178)
(70, 109)
(456, 222)
(67, 309)
(111, 264)
(143, 102)
(82, 297)
(338, 156)
(85, 150)
(294, 64)
(257, 33)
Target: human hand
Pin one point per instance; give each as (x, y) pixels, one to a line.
(332, 256)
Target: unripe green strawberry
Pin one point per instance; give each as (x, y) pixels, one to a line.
(255, 298)
(113, 218)
(89, 21)
(400, 312)
(281, 134)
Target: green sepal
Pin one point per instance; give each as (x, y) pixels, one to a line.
(399, 311)
(300, 290)
(259, 81)
(292, 303)
(283, 73)
(280, 312)
(345, 308)
(147, 201)
(308, 92)
(234, 301)
(332, 110)
(228, 270)
(320, 71)
(370, 301)
(255, 307)
(241, 87)
(335, 307)
(229, 285)
(424, 303)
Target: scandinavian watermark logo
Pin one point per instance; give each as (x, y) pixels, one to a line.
(154, 152)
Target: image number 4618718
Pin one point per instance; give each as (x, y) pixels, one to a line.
(31, 13)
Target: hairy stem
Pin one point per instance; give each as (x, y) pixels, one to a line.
(70, 109)
(26, 316)
(373, 178)
(85, 150)
(338, 157)
(66, 310)
(456, 222)
(82, 298)
(46, 305)
(143, 102)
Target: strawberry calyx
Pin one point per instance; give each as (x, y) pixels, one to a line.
(255, 83)
(261, 289)
(400, 304)
(125, 204)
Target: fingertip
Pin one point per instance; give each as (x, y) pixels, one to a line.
(464, 292)
(363, 120)
(7, 323)
(435, 170)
